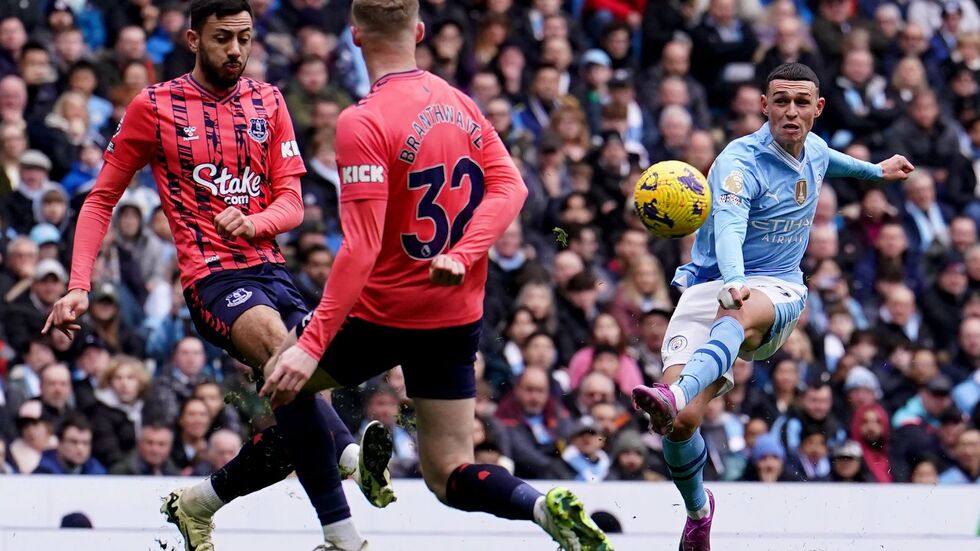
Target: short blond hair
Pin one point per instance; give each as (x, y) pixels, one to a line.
(120, 361)
(384, 16)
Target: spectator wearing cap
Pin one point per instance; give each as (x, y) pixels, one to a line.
(966, 469)
(18, 207)
(859, 103)
(942, 304)
(87, 369)
(926, 406)
(591, 89)
(768, 461)
(25, 315)
(723, 48)
(535, 422)
(848, 464)
(117, 416)
(629, 459)
(48, 241)
(34, 436)
(871, 431)
(583, 456)
(106, 320)
(861, 389)
(152, 454)
(74, 452)
(19, 262)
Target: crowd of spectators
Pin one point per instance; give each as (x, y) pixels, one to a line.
(879, 383)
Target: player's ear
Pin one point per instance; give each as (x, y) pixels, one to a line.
(765, 105)
(820, 105)
(193, 40)
(355, 35)
(419, 32)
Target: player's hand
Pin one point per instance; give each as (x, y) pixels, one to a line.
(895, 168)
(292, 370)
(233, 223)
(65, 313)
(733, 295)
(446, 270)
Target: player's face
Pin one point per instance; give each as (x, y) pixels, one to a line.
(222, 48)
(792, 106)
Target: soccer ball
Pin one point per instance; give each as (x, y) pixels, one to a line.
(672, 199)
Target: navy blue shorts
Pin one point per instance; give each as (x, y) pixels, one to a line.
(216, 301)
(437, 363)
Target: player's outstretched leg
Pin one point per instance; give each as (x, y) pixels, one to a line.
(446, 453)
(707, 364)
(685, 455)
(311, 447)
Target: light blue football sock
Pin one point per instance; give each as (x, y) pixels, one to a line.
(685, 462)
(712, 360)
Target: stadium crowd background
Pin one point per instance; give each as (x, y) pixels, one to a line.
(879, 383)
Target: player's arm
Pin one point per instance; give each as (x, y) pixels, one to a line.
(841, 165)
(128, 151)
(505, 193)
(285, 211)
(362, 218)
(732, 187)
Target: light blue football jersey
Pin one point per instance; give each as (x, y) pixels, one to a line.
(763, 203)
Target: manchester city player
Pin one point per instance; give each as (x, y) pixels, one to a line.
(746, 259)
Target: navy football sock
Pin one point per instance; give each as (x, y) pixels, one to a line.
(307, 434)
(491, 489)
(338, 430)
(262, 461)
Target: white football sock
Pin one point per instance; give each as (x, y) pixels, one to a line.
(679, 397)
(349, 458)
(201, 499)
(703, 511)
(540, 511)
(344, 535)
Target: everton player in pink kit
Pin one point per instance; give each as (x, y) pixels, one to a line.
(426, 188)
(227, 168)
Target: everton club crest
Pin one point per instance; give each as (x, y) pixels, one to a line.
(258, 129)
